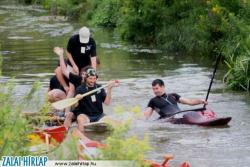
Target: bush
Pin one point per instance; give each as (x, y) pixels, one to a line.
(203, 27)
(122, 147)
(108, 12)
(14, 128)
(193, 26)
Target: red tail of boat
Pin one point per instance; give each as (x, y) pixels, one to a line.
(53, 133)
(165, 162)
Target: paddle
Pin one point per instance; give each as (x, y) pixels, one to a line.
(105, 120)
(71, 101)
(197, 109)
(211, 82)
(208, 91)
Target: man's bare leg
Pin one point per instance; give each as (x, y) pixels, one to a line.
(81, 120)
(59, 76)
(79, 134)
(69, 116)
(55, 95)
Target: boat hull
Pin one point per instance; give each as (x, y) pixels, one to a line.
(202, 118)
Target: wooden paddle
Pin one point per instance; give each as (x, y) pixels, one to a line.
(71, 101)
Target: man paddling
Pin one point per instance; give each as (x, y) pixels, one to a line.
(90, 108)
(165, 104)
(75, 81)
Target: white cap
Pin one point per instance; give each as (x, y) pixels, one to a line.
(84, 35)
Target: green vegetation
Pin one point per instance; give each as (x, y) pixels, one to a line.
(70, 8)
(200, 27)
(1, 61)
(191, 27)
(14, 128)
(122, 147)
(16, 132)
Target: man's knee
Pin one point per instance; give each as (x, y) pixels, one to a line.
(51, 98)
(55, 95)
(81, 120)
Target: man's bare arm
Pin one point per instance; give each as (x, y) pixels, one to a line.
(93, 62)
(148, 112)
(192, 102)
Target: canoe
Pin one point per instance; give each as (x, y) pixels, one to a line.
(92, 149)
(44, 140)
(56, 133)
(104, 125)
(202, 118)
(98, 127)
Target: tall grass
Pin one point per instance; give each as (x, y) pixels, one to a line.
(120, 146)
(14, 128)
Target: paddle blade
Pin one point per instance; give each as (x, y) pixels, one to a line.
(64, 103)
(110, 121)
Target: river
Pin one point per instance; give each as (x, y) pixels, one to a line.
(27, 37)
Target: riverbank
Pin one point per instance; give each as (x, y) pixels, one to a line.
(201, 28)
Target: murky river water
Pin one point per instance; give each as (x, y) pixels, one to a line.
(27, 38)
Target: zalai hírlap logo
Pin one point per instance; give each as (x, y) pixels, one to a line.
(24, 161)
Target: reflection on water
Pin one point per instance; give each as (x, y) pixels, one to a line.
(27, 38)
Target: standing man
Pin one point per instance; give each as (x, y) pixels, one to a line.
(81, 52)
(165, 104)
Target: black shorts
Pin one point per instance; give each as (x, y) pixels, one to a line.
(94, 118)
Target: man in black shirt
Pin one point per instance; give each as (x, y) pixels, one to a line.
(166, 104)
(90, 108)
(81, 52)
